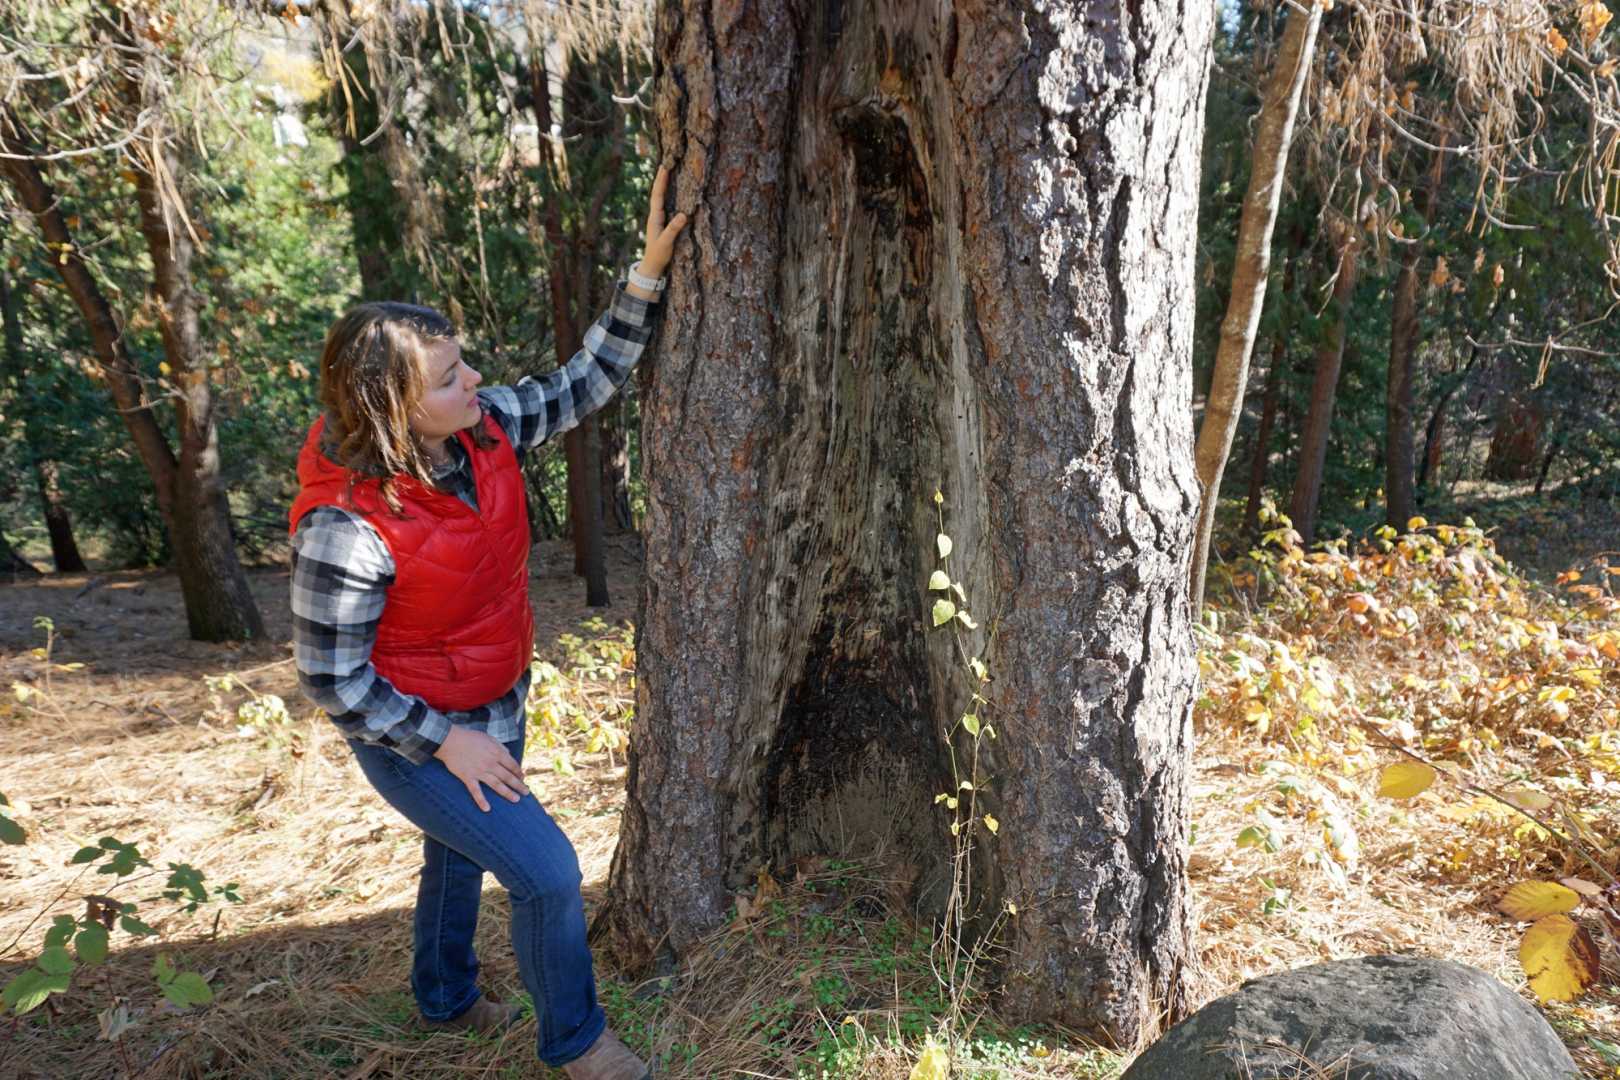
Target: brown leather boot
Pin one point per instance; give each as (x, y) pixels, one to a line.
(485, 1016)
(607, 1059)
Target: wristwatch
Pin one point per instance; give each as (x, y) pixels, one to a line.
(642, 281)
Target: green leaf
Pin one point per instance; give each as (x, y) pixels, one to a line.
(939, 581)
(84, 855)
(1259, 836)
(55, 960)
(971, 723)
(188, 988)
(61, 931)
(111, 843)
(132, 925)
(943, 542)
(943, 612)
(91, 944)
(162, 970)
(11, 832)
(189, 878)
(29, 990)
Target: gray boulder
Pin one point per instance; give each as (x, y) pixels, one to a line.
(1370, 1018)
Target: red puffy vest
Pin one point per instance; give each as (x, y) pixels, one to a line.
(456, 629)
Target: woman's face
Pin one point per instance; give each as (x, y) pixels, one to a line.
(449, 402)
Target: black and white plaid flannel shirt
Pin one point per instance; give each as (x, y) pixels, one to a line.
(342, 570)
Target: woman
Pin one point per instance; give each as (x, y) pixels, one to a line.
(412, 628)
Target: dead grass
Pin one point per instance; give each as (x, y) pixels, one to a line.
(827, 976)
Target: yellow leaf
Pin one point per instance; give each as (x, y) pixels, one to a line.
(1405, 779)
(1416, 523)
(163, 366)
(1594, 17)
(1530, 900)
(939, 581)
(992, 824)
(935, 1064)
(943, 542)
(944, 611)
(1526, 799)
(1559, 957)
(1556, 42)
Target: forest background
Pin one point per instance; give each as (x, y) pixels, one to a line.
(1434, 397)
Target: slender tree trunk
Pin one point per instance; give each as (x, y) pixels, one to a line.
(58, 522)
(584, 511)
(1260, 460)
(219, 604)
(189, 496)
(1274, 134)
(932, 249)
(1403, 338)
(1405, 335)
(616, 516)
(65, 554)
(1553, 446)
(1324, 388)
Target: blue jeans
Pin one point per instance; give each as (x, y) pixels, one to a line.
(529, 855)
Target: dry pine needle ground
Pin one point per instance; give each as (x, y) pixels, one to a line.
(827, 975)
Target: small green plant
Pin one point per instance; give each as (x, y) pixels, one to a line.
(959, 946)
(84, 939)
(583, 699)
(261, 716)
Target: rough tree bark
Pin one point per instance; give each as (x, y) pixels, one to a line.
(1324, 388)
(1405, 334)
(932, 248)
(1274, 134)
(65, 554)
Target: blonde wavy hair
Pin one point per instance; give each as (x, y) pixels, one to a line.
(373, 375)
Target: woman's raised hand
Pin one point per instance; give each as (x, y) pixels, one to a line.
(660, 236)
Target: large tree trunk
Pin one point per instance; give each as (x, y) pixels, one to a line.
(58, 523)
(1324, 388)
(944, 250)
(1274, 134)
